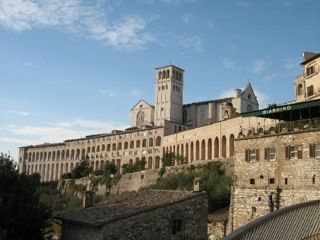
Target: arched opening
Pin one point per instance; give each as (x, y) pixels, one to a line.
(114, 147)
(67, 154)
(137, 143)
(72, 154)
(209, 148)
(224, 146)
(31, 172)
(150, 142)
(132, 144)
(97, 166)
(197, 150)
(77, 154)
(216, 147)
(44, 173)
(66, 168)
(191, 152)
(83, 153)
(144, 143)
(150, 163)
(118, 165)
(119, 146)
(57, 172)
(52, 172)
(71, 166)
(58, 155)
(49, 157)
(62, 154)
(182, 151)
(98, 148)
(187, 153)
(203, 150)
(61, 169)
(37, 156)
(102, 165)
(231, 145)
(157, 162)
(48, 173)
(103, 147)
(158, 141)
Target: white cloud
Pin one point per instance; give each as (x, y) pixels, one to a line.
(270, 77)
(20, 113)
(135, 92)
(229, 64)
(258, 66)
(75, 16)
(109, 93)
(192, 42)
(188, 18)
(227, 93)
(56, 132)
(263, 98)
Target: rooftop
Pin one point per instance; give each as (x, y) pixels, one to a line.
(299, 221)
(140, 202)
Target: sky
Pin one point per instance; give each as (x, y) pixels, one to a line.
(70, 68)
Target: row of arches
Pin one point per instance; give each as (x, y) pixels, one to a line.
(204, 149)
(77, 154)
(53, 171)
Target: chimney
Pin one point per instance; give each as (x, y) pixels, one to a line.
(87, 199)
(197, 185)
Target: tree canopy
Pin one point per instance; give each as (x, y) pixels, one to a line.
(22, 216)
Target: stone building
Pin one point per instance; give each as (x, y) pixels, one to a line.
(307, 86)
(150, 125)
(149, 214)
(278, 165)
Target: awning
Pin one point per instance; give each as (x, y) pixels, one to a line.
(289, 112)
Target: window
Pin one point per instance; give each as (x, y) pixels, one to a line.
(176, 226)
(270, 153)
(252, 155)
(310, 91)
(271, 180)
(299, 90)
(310, 70)
(286, 181)
(294, 152)
(314, 150)
(252, 181)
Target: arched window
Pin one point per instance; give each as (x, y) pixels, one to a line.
(98, 148)
(125, 145)
(168, 73)
(163, 74)
(203, 150)
(216, 147)
(158, 141)
(132, 144)
(224, 146)
(231, 145)
(78, 154)
(144, 143)
(209, 148)
(140, 118)
(191, 152)
(151, 142)
(103, 147)
(119, 146)
(114, 147)
(137, 143)
(157, 162)
(197, 150)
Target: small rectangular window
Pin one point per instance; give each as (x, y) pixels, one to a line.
(317, 150)
(286, 181)
(271, 180)
(294, 152)
(252, 181)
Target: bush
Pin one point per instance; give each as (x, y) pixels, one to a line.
(215, 183)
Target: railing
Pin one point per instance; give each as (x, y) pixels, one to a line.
(280, 127)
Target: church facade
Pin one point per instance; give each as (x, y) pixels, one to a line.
(153, 130)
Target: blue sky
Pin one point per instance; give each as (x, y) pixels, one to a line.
(72, 68)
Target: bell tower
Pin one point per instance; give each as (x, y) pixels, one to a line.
(169, 94)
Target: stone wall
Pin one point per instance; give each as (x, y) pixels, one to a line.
(256, 181)
(157, 224)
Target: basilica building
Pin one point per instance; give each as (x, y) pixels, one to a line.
(196, 131)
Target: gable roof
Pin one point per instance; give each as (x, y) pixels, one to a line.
(143, 101)
(250, 88)
(141, 202)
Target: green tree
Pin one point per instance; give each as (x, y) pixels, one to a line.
(22, 216)
(80, 171)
